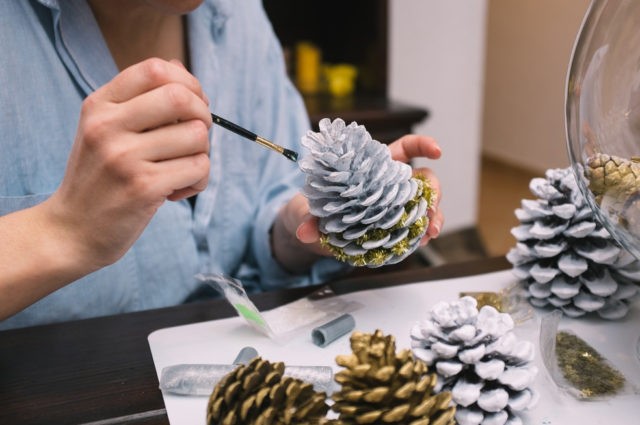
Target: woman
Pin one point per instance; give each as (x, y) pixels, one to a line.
(107, 145)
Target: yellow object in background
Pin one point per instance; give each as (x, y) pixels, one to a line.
(341, 79)
(308, 59)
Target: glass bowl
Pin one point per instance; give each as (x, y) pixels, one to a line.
(603, 116)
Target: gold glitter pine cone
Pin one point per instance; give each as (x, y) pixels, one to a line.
(259, 394)
(380, 386)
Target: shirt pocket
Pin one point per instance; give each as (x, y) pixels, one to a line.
(9, 204)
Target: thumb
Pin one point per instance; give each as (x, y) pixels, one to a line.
(307, 232)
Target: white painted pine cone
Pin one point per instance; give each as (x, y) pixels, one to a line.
(565, 258)
(371, 210)
(478, 358)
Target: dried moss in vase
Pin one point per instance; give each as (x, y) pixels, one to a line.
(371, 209)
(585, 369)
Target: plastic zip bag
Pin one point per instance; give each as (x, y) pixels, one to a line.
(575, 366)
(284, 322)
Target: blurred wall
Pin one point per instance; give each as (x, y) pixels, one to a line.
(529, 46)
(436, 60)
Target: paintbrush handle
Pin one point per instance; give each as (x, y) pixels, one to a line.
(288, 153)
(234, 127)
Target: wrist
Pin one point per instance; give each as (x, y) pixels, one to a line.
(66, 239)
(37, 257)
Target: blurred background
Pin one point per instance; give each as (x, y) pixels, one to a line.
(486, 78)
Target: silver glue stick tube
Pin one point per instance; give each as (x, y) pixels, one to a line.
(325, 334)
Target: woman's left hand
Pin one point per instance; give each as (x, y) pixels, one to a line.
(296, 230)
(415, 146)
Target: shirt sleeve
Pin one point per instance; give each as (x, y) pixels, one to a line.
(280, 108)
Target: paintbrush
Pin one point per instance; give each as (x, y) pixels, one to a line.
(288, 153)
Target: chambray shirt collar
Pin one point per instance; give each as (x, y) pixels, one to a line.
(83, 50)
(80, 44)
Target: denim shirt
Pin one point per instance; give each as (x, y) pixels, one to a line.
(53, 56)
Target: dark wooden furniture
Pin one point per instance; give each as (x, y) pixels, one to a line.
(100, 371)
(384, 119)
(353, 32)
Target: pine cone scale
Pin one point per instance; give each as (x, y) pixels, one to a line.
(397, 414)
(446, 418)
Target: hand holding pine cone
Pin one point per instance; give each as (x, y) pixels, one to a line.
(371, 210)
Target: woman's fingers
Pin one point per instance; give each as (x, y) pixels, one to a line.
(413, 146)
(173, 141)
(146, 76)
(433, 182)
(295, 214)
(167, 104)
(436, 219)
(172, 176)
(142, 139)
(307, 232)
(300, 223)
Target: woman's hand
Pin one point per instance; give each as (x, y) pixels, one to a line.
(415, 146)
(142, 139)
(296, 238)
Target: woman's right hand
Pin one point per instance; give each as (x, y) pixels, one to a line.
(141, 139)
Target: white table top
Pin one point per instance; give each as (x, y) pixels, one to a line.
(394, 310)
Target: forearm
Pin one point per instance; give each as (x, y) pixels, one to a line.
(37, 257)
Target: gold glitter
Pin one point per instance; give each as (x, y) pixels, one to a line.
(358, 260)
(372, 235)
(585, 369)
(417, 227)
(493, 299)
(378, 256)
(401, 247)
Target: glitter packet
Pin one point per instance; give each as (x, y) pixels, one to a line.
(575, 366)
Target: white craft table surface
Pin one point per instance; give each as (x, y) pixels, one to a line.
(394, 310)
